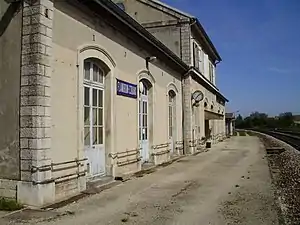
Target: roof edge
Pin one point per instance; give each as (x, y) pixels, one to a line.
(208, 85)
(113, 9)
(196, 22)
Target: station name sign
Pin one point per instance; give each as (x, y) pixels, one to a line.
(126, 89)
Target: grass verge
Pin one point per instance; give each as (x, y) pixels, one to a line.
(9, 205)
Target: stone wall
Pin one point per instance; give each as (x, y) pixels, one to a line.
(187, 115)
(37, 187)
(8, 188)
(186, 43)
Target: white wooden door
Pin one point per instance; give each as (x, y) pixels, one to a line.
(143, 124)
(171, 120)
(94, 119)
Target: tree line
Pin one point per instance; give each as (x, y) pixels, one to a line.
(262, 120)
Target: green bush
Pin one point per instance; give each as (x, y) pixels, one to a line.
(9, 204)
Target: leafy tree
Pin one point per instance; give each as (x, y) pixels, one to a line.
(285, 119)
(239, 120)
(262, 120)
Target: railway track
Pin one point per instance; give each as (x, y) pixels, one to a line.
(284, 165)
(289, 137)
(295, 132)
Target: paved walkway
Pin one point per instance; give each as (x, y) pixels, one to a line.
(230, 184)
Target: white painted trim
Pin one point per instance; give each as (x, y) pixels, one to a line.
(172, 86)
(97, 50)
(93, 51)
(145, 74)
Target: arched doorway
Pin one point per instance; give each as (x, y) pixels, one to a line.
(144, 113)
(172, 119)
(94, 138)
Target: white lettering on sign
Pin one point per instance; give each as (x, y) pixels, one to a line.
(127, 89)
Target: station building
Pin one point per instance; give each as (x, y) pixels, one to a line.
(185, 36)
(87, 92)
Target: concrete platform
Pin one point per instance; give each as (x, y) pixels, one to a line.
(229, 184)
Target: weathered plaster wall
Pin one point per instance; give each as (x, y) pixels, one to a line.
(145, 13)
(169, 35)
(10, 55)
(129, 61)
(164, 24)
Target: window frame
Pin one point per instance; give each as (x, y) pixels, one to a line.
(198, 57)
(201, 60)
(171, 113)
(211, 72)
(92, 86)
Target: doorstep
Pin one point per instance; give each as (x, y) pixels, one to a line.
(96, 186)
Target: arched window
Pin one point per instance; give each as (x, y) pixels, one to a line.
(172, 96)
(93, 72)
(144, 114)
(172, 118)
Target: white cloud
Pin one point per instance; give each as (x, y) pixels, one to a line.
(279, 70)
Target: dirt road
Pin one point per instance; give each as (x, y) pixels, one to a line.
(230, 184)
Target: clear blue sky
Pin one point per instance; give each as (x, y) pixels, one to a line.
(259, 42)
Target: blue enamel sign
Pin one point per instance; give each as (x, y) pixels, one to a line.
(126, 89)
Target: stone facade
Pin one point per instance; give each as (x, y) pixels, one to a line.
(186, 43)
(56, 160)
(35, 108)
(8, 188)
(187, 113)
(158, 18)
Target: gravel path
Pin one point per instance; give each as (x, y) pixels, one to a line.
(230, 184)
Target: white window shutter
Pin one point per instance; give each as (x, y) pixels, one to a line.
(202, 62)
(196, 56)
